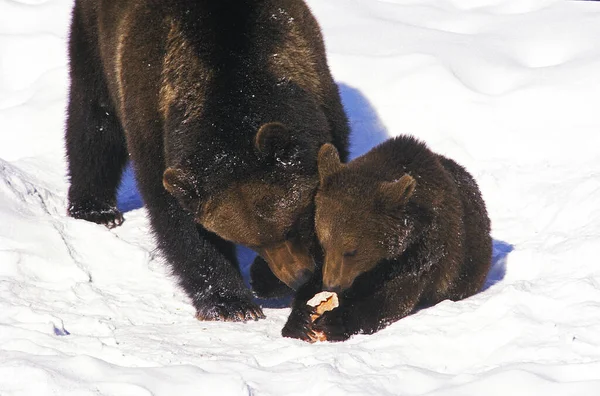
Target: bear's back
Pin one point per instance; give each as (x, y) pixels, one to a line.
(477, 240)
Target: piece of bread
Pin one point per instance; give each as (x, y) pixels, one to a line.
(323, 302)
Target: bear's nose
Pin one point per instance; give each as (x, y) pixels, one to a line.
(301, 279)
(333, 288)
(332, 284)
(332, 275)
(291, 263)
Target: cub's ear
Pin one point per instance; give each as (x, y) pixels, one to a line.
(397, 193)
(271, 137)
(182, 185)
(328, 161)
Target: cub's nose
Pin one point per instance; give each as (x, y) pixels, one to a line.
(334, 287)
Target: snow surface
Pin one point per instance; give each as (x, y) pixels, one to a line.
(508, 88)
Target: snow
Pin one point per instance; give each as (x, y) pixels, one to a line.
(508, 88)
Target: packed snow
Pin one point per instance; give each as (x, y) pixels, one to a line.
(508, 88)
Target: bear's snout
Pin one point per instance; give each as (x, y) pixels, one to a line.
(290, 261)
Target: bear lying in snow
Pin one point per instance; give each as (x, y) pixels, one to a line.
(400, 227)
(222, 106)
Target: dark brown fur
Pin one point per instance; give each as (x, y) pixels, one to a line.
(182, 87)
(400, 227)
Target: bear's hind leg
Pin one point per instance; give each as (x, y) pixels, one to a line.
(95, 142)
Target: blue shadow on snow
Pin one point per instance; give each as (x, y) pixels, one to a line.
(128, 196)
(500, 251)
(366, 128)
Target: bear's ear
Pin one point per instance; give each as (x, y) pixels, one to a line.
(328, 161)
(397, 193)
(181, 184)
(271, 137)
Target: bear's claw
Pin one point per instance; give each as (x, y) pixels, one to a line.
(97, 212)
(230, 311)
(299, 325)
(328, 327)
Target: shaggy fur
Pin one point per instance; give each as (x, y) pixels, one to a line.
(400, 227)
(182, 87)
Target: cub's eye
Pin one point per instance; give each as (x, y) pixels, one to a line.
(350, 253)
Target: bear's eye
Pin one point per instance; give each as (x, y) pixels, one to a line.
(350, 253)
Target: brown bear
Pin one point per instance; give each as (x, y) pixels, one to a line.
(400, 227)
(222, 107)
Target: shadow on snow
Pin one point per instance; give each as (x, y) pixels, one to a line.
(500, 251)
(128, 196)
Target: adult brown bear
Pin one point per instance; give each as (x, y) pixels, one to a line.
(400, 227)
(222, 106)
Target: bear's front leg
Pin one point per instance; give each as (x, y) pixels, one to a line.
(363, 309)
(366, 309)
(205, 264)
(299, 323)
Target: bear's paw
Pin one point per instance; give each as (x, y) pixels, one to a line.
(229, 309)
(97, 212)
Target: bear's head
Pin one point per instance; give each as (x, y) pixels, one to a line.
(359, 220)
(262, 198)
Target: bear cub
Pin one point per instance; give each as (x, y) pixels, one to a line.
(401, 227)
